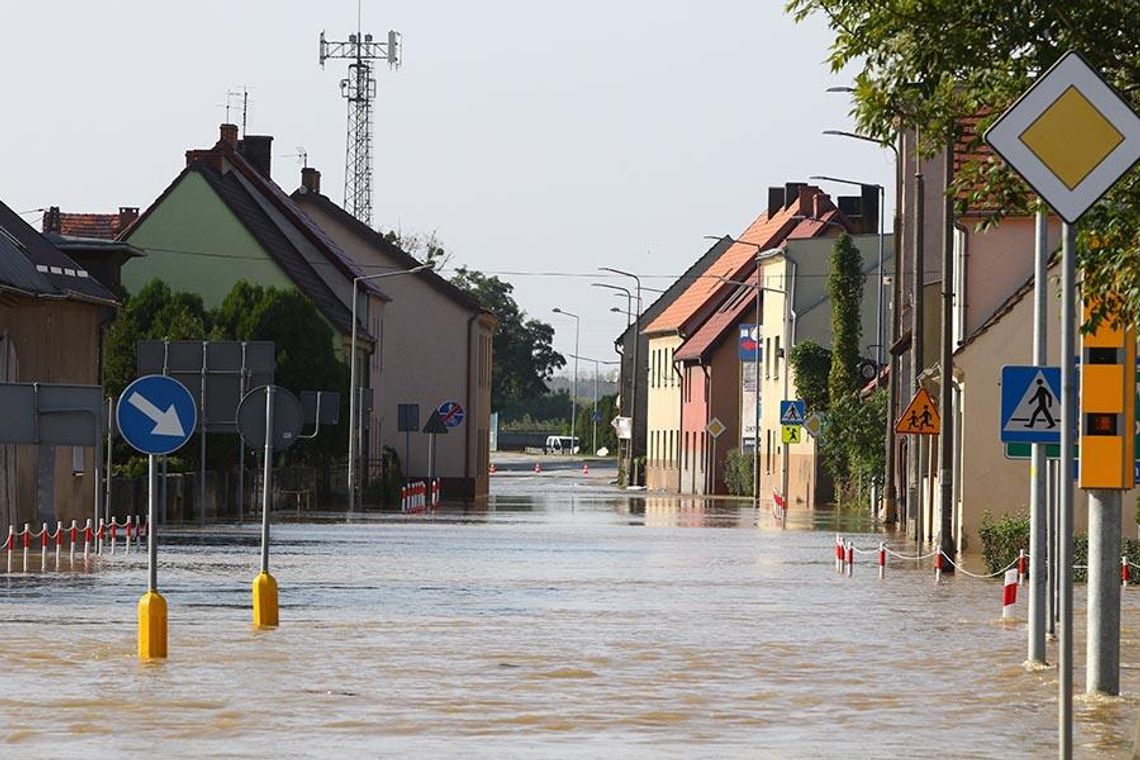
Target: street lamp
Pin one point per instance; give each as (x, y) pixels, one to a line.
(879, 306)
(630, 474)
(352, 427)
(628, 295)
(594, 416)
(574, 392)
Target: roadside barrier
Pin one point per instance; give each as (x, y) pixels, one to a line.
(537, 468)
(1009, 592)
(418, 496)
(93, 539)
(585, 468)
(492, 468)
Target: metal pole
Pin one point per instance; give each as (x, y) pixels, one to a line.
(1102, 659)
(916, 343)
(756, 392)
(1038, 520)
(151, 520)
(352, 407)
(895, 385)
(110, 447)
(879, 306)
(574, 400)
(1051, 511)
(1065, 523)
(267, 478)
(594, 416)
(946, 397)
(202, 438)
(784, 470)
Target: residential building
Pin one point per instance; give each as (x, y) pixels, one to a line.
(90, 240)
(52, 317)
(624, 345)
(434, 346)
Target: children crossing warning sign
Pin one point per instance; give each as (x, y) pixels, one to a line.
(920, 417)
(1030, 404)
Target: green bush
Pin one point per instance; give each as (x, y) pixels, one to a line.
(738, 472)
(1003, 538)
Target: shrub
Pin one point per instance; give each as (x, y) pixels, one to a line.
(738, 472)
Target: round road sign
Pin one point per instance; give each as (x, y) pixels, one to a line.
(451, 413)
(287, 418)
(156, 414)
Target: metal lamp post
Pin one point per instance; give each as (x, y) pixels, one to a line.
(574, 392)
(594, 416)
(352, 377)
(630, 474)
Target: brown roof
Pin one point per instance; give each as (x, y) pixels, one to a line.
(763, 233)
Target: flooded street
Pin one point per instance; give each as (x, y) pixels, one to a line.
(563, 620)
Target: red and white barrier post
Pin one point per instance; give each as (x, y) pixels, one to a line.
(938, 566)
(27, 534)
(87, 536)
(838, 553)
(882, 559)
(1124, 571)
(10, 545)
(43, 546)
(130, 524)
(1021, 567)
(1009, 594)
(100, 535)
(114, 534)
(58, 542)
(850, 558)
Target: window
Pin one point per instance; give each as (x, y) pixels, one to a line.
(768, 453)
(767, 354)
(776, 358)
(685, 452)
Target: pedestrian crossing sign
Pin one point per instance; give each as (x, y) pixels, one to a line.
(791, 433)
(1030, 404)
(920, 417)
(792, 412)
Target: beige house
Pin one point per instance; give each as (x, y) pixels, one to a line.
(432, 346)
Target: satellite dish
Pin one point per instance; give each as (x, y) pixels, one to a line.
(868, 370)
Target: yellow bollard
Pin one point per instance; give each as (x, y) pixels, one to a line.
(152, 626)
(265, 601)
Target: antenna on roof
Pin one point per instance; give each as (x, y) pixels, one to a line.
(301, 155)
(359, 89)
(244, 95)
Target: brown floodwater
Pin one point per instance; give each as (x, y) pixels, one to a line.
(564, 619)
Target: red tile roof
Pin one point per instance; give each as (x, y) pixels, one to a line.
(734, 308)
(739, 259)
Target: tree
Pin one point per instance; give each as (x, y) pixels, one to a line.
(845, 289)
(524, 355)
(811, 363)
(934, 65)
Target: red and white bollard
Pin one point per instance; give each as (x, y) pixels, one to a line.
(10, 544)
(114, 533)
(87, 536)
(130, 525)
(492, 468)
(101, 535)
(882, 559)
(44, 535)
(938, 566)
(73, 534)
(850, 558)
(1021, 567)
(1124, 571)
(27, 535)
(435, 489)
(58, 542)
(1009, 594)
(537, 467)
(585, 468)
(838, 553)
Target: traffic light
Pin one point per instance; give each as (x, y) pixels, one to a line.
(1108, 406)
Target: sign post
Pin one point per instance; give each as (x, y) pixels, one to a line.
(1071, 137)
(271, 418)
(156, 415)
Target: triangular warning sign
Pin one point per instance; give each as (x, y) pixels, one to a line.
(792, 416)
(921, 416)
(435, 425)
(1038, 408)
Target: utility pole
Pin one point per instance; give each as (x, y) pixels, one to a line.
(1038, 506)
(359, 89)
(946, 400)
(913, 501)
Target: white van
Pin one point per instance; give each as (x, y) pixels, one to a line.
(561, 444)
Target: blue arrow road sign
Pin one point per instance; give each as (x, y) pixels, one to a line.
(792, 412)
(1030, 404)
(156, 414)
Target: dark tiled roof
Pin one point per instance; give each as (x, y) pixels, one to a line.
(740, 302)
(33, 265)
(404, 259)
(274, 242)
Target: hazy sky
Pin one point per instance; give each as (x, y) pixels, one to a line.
(531, 136)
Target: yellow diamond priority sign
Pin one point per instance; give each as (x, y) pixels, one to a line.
(1070, 136)
(715, 427)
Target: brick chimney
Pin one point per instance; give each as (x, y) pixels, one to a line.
(258, 151)
(775, 201)
(228, 135)
(127, 216)
(311, 180)
(51, 220)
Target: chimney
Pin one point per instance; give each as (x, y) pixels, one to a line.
(311, 180)
(51, 220)
(228, 135)
(127, 217)
(819, 205)
(775, 201)
(792, 195)
(257, 150)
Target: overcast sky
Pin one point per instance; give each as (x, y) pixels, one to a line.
(530, 136)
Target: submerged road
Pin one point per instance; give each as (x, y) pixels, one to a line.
(561, 619)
